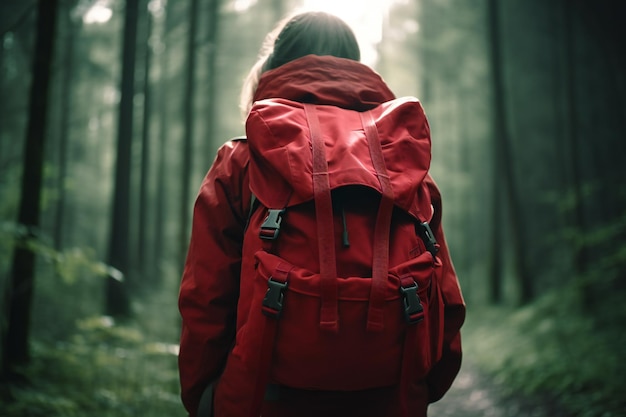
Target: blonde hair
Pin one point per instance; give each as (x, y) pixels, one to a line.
(252, 79)
(302, 34)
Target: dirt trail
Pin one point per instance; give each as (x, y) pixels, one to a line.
(474, 395)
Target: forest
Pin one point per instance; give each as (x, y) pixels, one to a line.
(111, 113)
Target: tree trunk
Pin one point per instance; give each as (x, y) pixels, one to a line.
(504, 176)
(572, 133)
(15, 336)
(212, 40)
(66, 111)
(142, 218)
(117, 302)
(162, 184)
(2, 104)
(495, 268)
(188, 117)
(278, 7)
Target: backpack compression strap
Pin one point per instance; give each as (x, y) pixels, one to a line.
(380, 264)
(325, 229)
(324, 214)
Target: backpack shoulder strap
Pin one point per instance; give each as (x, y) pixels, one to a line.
(253, 203)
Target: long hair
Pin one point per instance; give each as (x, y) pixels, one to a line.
(316, 33)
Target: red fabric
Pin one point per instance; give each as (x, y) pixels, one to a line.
(210, 285)
(210, 290)
(325, 80)
(284, 167)
(380, 262)
(329, 315)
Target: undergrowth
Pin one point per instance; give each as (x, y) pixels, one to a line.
(566, 347)
(103, 370)
(550, 351)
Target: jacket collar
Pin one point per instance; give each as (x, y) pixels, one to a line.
(325, 80)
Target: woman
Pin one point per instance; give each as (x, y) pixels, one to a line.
(312, 57)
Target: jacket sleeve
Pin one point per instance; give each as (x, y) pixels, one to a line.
(210, 283)
(445, 371)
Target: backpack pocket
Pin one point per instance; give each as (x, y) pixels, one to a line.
(427, 335)
(309, 357)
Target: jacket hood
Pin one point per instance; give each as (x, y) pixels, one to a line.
(325, 80)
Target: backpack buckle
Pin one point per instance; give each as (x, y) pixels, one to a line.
(413, 309)
(427, 235)
(274, 297)
(271, 226)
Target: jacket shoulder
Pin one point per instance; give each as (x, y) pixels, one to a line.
(233, 151)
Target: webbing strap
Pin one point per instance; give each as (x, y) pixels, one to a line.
(270, 328)
(325, 227)
(380, 264)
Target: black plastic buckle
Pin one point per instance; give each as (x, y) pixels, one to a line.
(428, 237)
(273, 301)
(413, 309)
(271, 226)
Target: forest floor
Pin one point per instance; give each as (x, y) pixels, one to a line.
(473, 394)
(108, 372)
(149, 387)
(109, 369)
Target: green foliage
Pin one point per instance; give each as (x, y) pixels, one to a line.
(555, 347)
(103, 370)
(70, 264)
(569, 343)
(73, 263)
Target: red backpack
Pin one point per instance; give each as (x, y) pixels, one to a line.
(345, 294)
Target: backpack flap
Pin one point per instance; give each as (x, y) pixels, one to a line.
(282, 162)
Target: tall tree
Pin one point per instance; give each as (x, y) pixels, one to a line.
(2, 75)
(117, 302)
(162, 185)
(212, 21)
(503, 175)
(499, 135)
(571, 128)
(278, 7)
(142, 218)
(64, 125)
(19, 295)
(188, 126)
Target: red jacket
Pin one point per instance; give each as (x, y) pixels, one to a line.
(209, 289)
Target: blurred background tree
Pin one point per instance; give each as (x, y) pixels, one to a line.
(526, 105)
